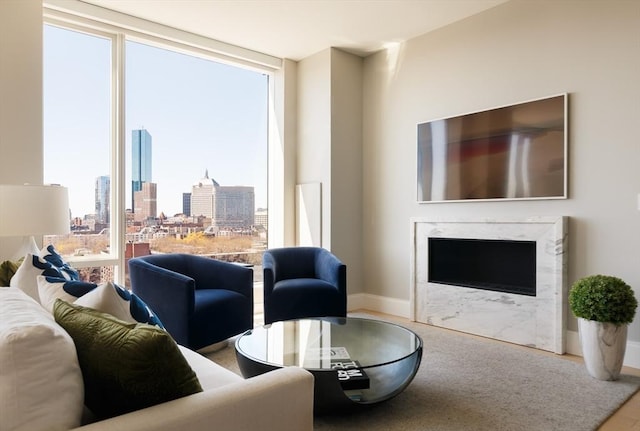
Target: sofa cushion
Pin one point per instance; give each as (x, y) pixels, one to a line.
(125, 366)
(40, 379)
(52, 288)
(119, 302)
(210, 374)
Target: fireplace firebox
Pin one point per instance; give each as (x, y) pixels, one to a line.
(496, 265)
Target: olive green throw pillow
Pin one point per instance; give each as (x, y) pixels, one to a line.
(7, 269)
(125, 366)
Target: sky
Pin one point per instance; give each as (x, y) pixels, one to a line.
(201, 115)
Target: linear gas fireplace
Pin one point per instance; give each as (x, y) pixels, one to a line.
(489, 264)
(498, 278)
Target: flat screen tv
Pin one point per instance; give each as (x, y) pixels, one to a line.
(511, 152)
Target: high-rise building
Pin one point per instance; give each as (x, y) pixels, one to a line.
(234, 206)
(202, 196)
(226, 206)
(102, 199)
(140, 161)
(145, 202)
(261, 218)
(186, 204)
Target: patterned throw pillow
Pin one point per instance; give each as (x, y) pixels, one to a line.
(125, 366)
(51, 255)
(52, 288)
(119, 302)
(25, 277)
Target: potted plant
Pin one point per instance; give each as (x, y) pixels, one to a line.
(604, 306)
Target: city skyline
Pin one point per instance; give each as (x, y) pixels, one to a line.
(102, 198)
(202, 115)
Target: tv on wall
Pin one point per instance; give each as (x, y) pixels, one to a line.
(511, 152)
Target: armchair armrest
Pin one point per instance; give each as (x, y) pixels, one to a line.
(330, 269)
(168, 293)
(268, 273)
(280, 400)
(221, 275)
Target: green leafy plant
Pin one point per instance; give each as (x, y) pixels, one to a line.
(603, 298)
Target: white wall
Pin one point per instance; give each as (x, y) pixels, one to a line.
(515, 52)
(21, 159)
(330, 150)
(314, 131)
(21, 91)
(346, 164)
(282, 154)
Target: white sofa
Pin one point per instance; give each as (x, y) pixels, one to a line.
(281, 400)
(37, 383)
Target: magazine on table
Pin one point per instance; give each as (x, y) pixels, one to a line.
(350, 375)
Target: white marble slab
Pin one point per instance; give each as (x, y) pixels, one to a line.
(603, 347)
(537, 321)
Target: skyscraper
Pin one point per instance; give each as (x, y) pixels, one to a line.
(145, 202)
(102, 197)
(186, 204)
(226, 206)
(140, 161)
(202, 196)
(234, 206)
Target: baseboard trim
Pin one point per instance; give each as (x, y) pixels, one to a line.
(381, 304)
(402, 308)
(631, 357)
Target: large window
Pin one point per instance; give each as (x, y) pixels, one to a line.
(77, 135)
(186, 171)
(197, 145)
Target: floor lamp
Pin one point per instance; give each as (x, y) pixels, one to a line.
(33, 210)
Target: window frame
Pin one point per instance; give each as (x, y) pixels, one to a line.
(120, 28)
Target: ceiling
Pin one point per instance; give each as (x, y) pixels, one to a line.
(295, 29)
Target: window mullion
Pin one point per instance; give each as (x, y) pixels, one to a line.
(118, 167)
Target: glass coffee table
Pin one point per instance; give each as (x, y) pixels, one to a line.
(354, 360)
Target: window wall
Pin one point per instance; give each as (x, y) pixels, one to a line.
(139, 131)
(78, 137)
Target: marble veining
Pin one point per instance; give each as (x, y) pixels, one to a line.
(537, 321)
(603, 347)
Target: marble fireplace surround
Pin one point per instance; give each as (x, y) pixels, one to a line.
(536, 321)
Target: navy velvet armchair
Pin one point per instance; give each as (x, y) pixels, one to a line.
(200, 301)
(303, 282)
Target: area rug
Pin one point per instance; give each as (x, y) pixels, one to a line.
(471, 383)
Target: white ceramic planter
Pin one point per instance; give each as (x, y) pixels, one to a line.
(603, 348)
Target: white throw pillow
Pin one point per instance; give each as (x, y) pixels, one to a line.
(52, 288)
(41, 386)
(119, 302)
(25, 277)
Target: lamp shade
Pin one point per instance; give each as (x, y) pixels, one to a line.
(33, 210)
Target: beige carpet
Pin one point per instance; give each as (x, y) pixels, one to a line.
(470, 383)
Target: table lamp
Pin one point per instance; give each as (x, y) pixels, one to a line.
(29, 210)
